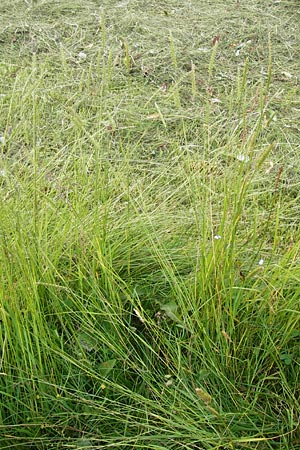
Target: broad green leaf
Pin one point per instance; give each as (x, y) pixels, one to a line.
(106, 367)
(170, 309)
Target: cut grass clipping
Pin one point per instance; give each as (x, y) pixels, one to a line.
(149, 248)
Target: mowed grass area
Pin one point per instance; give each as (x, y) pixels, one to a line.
(150, 239)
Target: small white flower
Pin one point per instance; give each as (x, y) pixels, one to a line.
(242, 158)
(82, 56)
(3, 173)
(217, 237)
(2, 140)
(261, 262)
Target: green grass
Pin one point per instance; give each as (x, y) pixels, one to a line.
(149, 256)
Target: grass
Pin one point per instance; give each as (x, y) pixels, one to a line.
(149, 225)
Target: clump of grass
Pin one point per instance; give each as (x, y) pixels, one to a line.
(149, 254)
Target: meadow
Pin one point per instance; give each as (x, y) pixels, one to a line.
(149, 225)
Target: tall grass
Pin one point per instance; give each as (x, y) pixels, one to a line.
(149, 263)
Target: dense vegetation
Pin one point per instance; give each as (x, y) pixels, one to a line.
(150, 239)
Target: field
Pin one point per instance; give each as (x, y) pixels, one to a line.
(149, 224)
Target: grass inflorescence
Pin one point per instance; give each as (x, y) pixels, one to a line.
(149, 226)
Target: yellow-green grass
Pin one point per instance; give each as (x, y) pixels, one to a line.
(149, 225)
